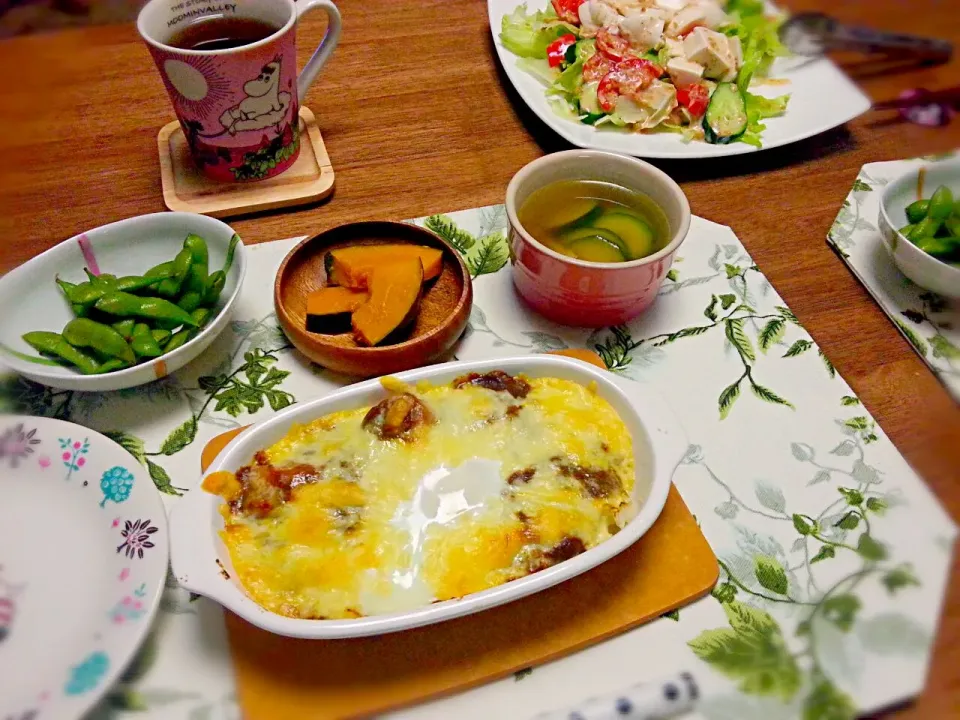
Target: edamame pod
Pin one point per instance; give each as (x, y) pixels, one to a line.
(103, 339)
(170, 286)
(68, 289)
(161, 336)
(133, 283)
(215, 284)
(179, 339)
(927, 227)
(125, 328)
(917, 211)
(51, 343)
(202, 316)
(942, 248)
(197, 277)
(163, 270)
(126, 305)
(143, 344)
(190, 301)
(941, 204)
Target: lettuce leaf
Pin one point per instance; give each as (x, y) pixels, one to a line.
(759, 36)
(760, 108)
(528, 35)
(539, 68)
(744, 8)
(569, 81)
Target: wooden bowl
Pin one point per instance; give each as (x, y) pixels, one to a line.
(441, 319)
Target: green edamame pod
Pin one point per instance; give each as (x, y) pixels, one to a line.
(941, 204)
(133, 283)
(927, 227)
(125, 328)
(952, 225)
(231, 249)
(917, 211)
(105, 279)
(143, 344)
(179, 339)
(906, 230)
(215, 284)
(51, 343)
(90, 276)
(197, 277)
(126, 305)
(940, 248)
(163, 270)
(103, 339)
(161, 336)
(201, 316)
(190, 301)
(111, 365)
(170, 286)
(68, 289)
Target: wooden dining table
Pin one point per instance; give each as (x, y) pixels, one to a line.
(418, 117)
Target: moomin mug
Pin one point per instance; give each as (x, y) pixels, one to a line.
(238, 106)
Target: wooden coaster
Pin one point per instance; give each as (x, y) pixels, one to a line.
(185, 188)
(280, 678)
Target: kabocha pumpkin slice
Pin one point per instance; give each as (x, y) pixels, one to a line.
(329, 308)
(395, 291)
(351, 266)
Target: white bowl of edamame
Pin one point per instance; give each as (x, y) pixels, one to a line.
(920, 225)
(123, 304)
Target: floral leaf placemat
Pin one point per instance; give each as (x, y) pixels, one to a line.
(930, 323)
(823, 608)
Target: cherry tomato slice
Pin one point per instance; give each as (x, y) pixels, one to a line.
(557, 50)
(636, 75)
(608, 91)
(568, 10)
(596, 67)
(613, 46)
(694, 98)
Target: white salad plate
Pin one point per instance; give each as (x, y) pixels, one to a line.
(202, 564)
(821, 98)
(83, 559)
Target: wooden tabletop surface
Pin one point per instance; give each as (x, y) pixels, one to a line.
(418, 118)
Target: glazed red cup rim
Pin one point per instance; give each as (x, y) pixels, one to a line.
(623, 170)
(282, 12)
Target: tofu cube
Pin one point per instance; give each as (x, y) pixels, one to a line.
(684, 72)
(643, 29)
(700, 14)
(712, 50)
(674, 47)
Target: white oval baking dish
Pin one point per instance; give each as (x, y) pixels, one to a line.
(202, 564)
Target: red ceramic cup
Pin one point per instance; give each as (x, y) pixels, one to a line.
(590, 294)
(237, 105)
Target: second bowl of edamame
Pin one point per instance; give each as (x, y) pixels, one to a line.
(920, 225)
(123, 304)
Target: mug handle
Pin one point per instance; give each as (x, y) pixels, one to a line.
(325, 48)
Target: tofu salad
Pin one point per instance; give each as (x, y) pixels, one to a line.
(682, 66)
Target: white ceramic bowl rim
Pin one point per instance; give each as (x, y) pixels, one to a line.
(658, 176)
(910, 178)
(196, 549)
(170, 359)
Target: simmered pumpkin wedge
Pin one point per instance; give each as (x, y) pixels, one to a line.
(329, 308)
(395, 290)
(351, 266)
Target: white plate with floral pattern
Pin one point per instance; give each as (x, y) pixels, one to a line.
(83, 557)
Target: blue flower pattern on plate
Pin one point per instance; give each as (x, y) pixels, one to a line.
(116, 484)
(86, 676)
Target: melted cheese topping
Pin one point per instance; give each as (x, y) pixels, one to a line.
(396, 524)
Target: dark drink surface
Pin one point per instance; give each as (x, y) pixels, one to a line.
(221, 33)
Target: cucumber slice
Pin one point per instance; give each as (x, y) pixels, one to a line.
(585, 233)
(595, 248)
(638, 237)
(726, 116)
(572, 214)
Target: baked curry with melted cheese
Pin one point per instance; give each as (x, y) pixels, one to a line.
(436, 492)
